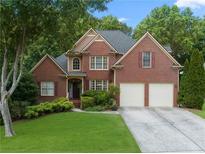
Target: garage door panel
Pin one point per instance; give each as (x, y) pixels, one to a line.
(161, 95)
(132, 95)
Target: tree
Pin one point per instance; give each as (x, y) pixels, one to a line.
(183, 84)
(200, 43)
(22, 21)
(193, 85)
(27, 89)
(112, 23)
(169, 25)
(73, 20)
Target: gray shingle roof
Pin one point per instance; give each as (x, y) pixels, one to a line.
(117, 39)
(168, 48)
(62, 61)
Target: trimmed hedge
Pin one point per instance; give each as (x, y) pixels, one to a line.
(98, 101)
(95, 108)
(87, 101)
(101, 97)
(58, 105)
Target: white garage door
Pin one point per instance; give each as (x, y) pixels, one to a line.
(131, 95)
(161, 95)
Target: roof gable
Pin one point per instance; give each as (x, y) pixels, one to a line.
(52, 59)
(99, 37)
(119, 41)
(89, 31)
(147, 34)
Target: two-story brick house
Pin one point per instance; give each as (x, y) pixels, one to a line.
(144, 70)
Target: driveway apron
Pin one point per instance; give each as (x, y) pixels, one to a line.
(165, 129)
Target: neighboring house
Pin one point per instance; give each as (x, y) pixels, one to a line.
(144, 70)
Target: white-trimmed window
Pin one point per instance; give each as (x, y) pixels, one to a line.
(99, 63)
(76, 64)
(99, 85)
(47, 88)
(147, 59)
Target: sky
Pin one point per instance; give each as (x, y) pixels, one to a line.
(132, 12)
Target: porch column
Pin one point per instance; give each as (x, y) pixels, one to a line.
(82, 85)
(67, 93)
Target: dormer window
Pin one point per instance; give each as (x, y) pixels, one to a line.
(146, 59)
(76, 64)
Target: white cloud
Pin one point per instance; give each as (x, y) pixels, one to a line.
(122, 19)
(194, 4)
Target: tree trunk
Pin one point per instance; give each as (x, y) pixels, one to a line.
(9, 132)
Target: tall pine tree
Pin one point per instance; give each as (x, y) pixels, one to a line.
(183, 84)
(194, 84)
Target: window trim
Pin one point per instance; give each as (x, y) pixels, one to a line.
(150, 59)
(79, 64)
(95, 84)
(42, 88)
(101, 69)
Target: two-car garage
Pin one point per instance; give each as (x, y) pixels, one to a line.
(157, 95)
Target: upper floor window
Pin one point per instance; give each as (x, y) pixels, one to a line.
(76, 64)
(146, 59)
(99, 63)
(99, 85)
(47, 88)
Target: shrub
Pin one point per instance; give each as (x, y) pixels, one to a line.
(1, 120)
(18, 108)
(114, 106)
(87, 101)
(60, 99)
(27, 89)
(90, 93)
(31, 114)
(58, 105)
(113, 91)
(95, 108)
(101, 97)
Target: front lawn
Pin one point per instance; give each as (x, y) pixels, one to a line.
(200, 113)
(70, 132)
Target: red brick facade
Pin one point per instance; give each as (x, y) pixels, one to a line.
(48, 71)
(161, 71)
(98, 49)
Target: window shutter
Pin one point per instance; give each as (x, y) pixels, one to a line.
(140, 59)
(55, 88)
(153, 59)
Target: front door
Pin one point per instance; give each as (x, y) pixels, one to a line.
(76, 90)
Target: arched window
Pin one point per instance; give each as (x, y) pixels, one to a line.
(76, 64)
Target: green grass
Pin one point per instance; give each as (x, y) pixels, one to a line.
(200, 113)
(70, 132)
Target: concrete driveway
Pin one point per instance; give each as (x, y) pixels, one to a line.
(165, 129)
